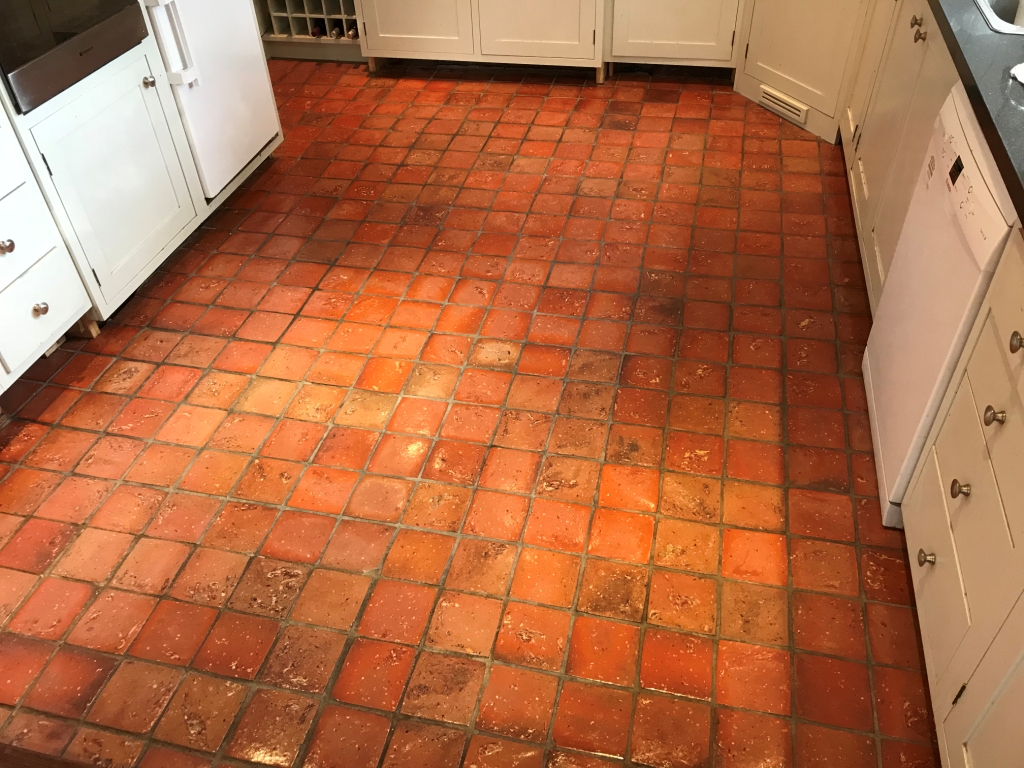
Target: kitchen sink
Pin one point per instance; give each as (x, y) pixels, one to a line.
(1000, 15)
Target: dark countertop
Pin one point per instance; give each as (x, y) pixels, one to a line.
(984, 59)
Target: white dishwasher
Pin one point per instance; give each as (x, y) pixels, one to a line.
(959, 221)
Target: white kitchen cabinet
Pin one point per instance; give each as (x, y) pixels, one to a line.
(553, 29)
(417, 26)
(669, 29)
(876, 34)
(116, 172)
(12, 160)
(797, 58)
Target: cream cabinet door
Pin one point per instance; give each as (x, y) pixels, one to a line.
(669, 29)
(418, 26)
(876, 34)
(550, 29)
(801, 47)
(117, 174)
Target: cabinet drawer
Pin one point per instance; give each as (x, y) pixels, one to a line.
(26, 222)
(941, 601)
(27, 333)
(994, 391)
(12, 159)
(1006, 297)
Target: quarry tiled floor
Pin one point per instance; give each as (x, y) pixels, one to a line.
(503, 420)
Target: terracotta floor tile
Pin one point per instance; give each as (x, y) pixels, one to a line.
(484, 379)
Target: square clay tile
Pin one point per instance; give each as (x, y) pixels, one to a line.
(543, 576)
(533, 636)
(135, 696)
(240, 527)
(755, 613)
(151, 566)
(687, 546)
(682, 601)
(677, 663)
(885, 575)
(753, 677)
(833, 692)
(380, 498)
(191, 425)
(183, 517)
(214, 472)
(568, 479)
(831, 625)
(36, 545)
(744, 736)
(93, 556)
(91, 745)
(629, 444)
(70, 682)
(316, 403)
(465, 623)
(510, 470)
(902, 703)
(814, 743)
(38, 734)
(418, 556)
(292, 441)
(298, 537)
(113, 621)
(200, 713)
(348, 738)
(746, 505)
(893, 633)
(93, 411)
(444, 688)
(436, 506)
(481, 566)
(825, 567)
(593, 718)
(218, 390)
(160, 465)
(14, 586)
(400, 455)
(455, 462)
(60, 450)
(51, 609)
(397, 612)
(268, 587)
(695, 454)
(605, 651)
(518, 703)
(128, 509)
(366, 410)
(417, 416)
(497, 515)
(622, 536)
(755, 556)
(357, 547)
(488, 748)
(304, 659)
(236, 646)
(667, 730)
(523, 430)
(331, 599)
(437, 381)
(173, 633)
(241, 433)
(535, 393)
(322, 489)
(821, 515)
(21, 659)
(473, 423)
(418, 745)
(374, 674)
(557, 525)
(614, 590)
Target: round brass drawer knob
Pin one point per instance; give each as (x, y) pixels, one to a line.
(1016, 342)
(956, 490)
(41, 308)
(6, 246)
(992, 416)
(923, 558)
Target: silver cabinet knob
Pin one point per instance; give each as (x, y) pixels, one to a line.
(6, 246)
(41, 308)
(149, 82)
(923, 558)
(1016, 342)
(956, 490)
(992, 416)
(919, 36)
(916, 21)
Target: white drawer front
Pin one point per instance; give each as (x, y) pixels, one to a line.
(941, 602)
(27, 333)
(25, 222)
(1006, 296)
(13, 166)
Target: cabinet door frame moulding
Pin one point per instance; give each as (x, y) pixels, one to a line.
(477, 56)
(820, 124)
(104, 307)
(733, 62)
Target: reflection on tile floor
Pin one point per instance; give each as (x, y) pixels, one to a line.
(503, 420)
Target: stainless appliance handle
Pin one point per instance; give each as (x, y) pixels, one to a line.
(188, 74)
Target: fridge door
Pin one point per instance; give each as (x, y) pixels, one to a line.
(215, 63)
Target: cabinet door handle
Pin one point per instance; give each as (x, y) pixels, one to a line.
(1016, 342)
(993, 416)
(149, 82)
(916, 21)
(923, 558)
(41, 308)
(6, 246)
(919, 36)
(956, 490)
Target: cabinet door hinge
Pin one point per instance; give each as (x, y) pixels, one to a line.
(46, 163)
(97, 277)
(959, 694)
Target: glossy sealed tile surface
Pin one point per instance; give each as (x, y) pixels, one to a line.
(501, 420)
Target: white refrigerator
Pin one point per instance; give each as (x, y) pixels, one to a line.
(213, 53)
